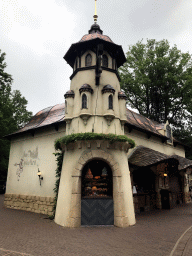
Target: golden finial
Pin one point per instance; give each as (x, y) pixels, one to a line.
(95, 16)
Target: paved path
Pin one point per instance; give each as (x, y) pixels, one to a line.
(26, 233)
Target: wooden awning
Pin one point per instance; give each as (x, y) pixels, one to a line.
(143, 156)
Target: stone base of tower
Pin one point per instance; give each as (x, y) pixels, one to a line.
(77, 155)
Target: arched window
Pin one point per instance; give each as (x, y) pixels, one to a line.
(84, 101)
(65, 107)
(168, 129)
(110, 100)
(88, 60)
(105, 61)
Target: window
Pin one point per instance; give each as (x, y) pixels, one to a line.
(84, 101)
(65, 107)
(105, 61)
(88, 60)
(110, 102)
(113, 64)
(168, 129)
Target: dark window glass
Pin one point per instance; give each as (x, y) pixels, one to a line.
(88, 60)
(110, 102)
(84, 101)
(113, 64)
(105, 61)
(66, 107)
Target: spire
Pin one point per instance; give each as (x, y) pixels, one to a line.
(95, 16)
(95, 27)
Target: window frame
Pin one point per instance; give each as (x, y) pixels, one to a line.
(110, 102)
(84, 101)
(88, 62)
(105, 58)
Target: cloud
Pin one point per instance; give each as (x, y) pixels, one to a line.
(36, 23)
(36, 35)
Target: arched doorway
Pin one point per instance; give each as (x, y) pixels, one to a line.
(97, 194)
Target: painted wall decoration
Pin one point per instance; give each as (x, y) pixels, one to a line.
(29, 158)
(19, 169)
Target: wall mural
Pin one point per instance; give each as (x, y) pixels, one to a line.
(29, 158)
(19, 169)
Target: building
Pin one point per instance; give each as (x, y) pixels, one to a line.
(101, 183)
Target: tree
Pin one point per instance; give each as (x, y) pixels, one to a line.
(13, 115)
(157, 80)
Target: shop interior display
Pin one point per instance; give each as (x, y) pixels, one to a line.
(97, 181)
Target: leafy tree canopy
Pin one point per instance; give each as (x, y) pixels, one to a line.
(157, 80)
(13, 114)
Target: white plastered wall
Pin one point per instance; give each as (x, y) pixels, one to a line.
(68, 211)
(37, 153)
(154, 143)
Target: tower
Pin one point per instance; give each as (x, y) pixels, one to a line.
(95, 102)
(95, 186)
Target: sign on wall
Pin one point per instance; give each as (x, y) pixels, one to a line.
(29, 158)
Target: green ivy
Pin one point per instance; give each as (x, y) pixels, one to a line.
(76, 137)
(59, 160)
(92, 136)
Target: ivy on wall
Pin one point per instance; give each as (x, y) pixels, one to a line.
(59, 160)
(92, 136)
(77, 137)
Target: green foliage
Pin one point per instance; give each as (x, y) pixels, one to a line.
(59, 160)
(13, 115)
(157, 80)
(77, 137)
(92, 136)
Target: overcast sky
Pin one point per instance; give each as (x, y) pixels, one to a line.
(35, 35)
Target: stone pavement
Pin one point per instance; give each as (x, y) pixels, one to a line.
(183, 247)
(156, 233)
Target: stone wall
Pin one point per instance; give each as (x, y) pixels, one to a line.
(35, 204)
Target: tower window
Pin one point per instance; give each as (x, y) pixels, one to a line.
(110, 100)
(65, 107)
(105, 61)
(113, 64)
(88, 60)
(84, 101)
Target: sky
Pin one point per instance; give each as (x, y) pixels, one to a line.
(35, 35)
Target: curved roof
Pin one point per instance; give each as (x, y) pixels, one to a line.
(142, 123)
(43, 118)
(69, 93)
(143, 156)
(122, 95)
(56, 114)
(85, 87)
(91, 41)
(89, 37)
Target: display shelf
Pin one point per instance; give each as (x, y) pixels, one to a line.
(96, 187)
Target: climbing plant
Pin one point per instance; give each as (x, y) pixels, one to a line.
(92, 136)
(77, 137)
(59, 159)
